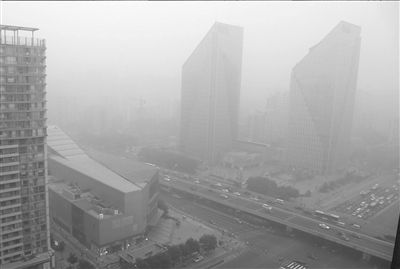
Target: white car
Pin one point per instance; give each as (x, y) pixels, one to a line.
(225, 190)
(198, 258)
(324, 226)
(167, 179)
(237, 193)
(219, 184)
(197, 182)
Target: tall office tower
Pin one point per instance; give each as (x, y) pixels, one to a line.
(24, 228)
(322, 94)
(211, 79)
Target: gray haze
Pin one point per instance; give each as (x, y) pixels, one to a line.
(98, 48)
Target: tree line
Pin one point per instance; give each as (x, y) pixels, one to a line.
(179, 253)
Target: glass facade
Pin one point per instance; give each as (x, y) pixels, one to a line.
(211, 79)
(322, 94)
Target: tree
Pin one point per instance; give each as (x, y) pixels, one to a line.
(163, 206)
(183, 249)
(72, 259)
(142, 264)
(160, 260)
(84, 264)
(192, 245)
(208, 242)
(175, 253)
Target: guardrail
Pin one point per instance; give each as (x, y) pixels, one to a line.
(367, 250)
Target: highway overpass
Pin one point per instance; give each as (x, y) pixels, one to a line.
(292, 220)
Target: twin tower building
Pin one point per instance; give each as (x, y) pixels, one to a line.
(322, 95)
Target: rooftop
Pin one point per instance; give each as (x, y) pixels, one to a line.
(63, 150)
(136, 172)
(86, 201)
(17, 28)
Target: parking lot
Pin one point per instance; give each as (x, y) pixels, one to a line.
(370, 201)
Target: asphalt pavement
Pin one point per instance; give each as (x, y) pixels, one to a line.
(266, 248)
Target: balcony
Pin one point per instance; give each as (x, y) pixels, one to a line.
(9, 173)
(15, 154)
(10, 223)
(19, 244)
(22, 41)
(8, 164)
(11, 197)
(8, 146)
(11, 206)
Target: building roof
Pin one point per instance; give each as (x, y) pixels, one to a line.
(63, 150)
(136, 172)
(17, 28)
(86, 201)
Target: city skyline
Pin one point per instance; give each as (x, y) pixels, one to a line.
(277, 36)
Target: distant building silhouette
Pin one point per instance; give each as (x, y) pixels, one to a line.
(322, 97)
(211, 79)
(25, 232)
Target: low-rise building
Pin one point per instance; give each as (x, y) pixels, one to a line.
(104, 208)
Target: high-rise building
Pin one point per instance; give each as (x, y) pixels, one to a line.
(211, 79)
(24, 224)
(322, 94)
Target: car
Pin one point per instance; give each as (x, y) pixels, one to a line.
(356, 236)
(225, 190)
(236, 193)
(341, 223)
(311, 256)
(238, 220)
(354, 213)
(345, 238)
(360, 216)
(218, 184)
(167, 179)
(198, 258)
(212, 222)
(254, 198)
(381, 202)
(356, 226)
(324, 226)
(197, 182)
(224, 196)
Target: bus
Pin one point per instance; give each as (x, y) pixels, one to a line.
(326, 216)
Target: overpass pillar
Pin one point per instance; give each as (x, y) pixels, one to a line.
(289, 229)
(366, 257)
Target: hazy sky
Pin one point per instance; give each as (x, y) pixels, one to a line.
(99, 47)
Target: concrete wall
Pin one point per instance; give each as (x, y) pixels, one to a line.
(60, 208)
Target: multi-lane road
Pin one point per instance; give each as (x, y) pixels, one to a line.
(285, 216)
(268, 247)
